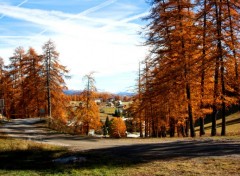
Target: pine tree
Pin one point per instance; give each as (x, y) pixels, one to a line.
(106, 126)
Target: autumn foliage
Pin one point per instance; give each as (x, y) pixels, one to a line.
(24, 84)
(117, 128)
(85, 115)
(192, 69)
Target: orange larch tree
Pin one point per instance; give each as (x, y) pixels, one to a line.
(15, 74)
(88, 112)
(25, 80)
(173, 44)
(54, 74)
(194, 51)
(34, 83)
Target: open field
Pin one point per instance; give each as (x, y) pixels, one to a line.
(106, 111)
(109, 110)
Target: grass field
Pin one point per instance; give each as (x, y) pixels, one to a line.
(109, 110)
(232, 125)
(106, 111)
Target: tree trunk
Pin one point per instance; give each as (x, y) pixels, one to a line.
(140, 126)
(139, 97)
(146, 124)
(48, 67)
(190, 116)
(202, 130)
(237, 88)
(172, 127)
(187, 128)
(186, 74)
(219, 58)
(214, 118)
(223, 132)
(220, 55)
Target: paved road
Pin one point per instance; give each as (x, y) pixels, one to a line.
(35, 129)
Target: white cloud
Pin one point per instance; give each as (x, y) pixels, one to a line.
(105, 45)
(18, 5)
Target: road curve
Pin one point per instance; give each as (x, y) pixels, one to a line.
(36, 129)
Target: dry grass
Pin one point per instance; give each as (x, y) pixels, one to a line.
(10, 144)
(197, 166)
(232, 125)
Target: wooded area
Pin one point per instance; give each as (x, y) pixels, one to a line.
(192, 69)
(31, 83)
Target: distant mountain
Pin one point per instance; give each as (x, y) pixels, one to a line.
(72, 92)
(125, 94)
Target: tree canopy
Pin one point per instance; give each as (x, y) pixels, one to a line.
(193, 65)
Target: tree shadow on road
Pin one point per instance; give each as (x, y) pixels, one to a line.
(41, 160)
(163, 151)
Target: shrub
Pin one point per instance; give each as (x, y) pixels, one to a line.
(117, 128)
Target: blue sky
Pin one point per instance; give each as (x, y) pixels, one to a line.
(98, 36)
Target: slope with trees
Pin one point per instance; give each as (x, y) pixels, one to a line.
(194, 51)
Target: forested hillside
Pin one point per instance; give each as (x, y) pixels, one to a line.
(192, 69)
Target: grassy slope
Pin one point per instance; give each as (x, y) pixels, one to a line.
(232, 125)
(232, 122)
(106, 111)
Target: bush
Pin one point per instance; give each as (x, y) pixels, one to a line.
(117, 128)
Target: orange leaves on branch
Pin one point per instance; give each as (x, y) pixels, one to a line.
(117, 128)
(25, 84)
